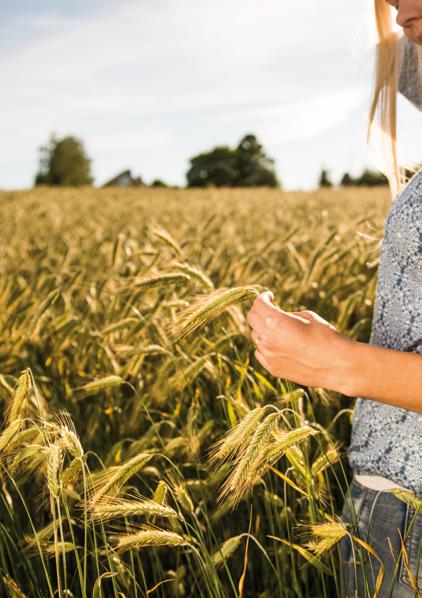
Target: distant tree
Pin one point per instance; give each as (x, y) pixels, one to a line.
(347, 180)
(254, 167)
(245, 166)
(217, 167)
(324, 179)
(158, 183)
(64, 162)
(371, 178)
(368, 178)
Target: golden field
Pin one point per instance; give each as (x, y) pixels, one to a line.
(108, 423)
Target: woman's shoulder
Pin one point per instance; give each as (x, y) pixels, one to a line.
(411, 192)
(403, 230)
(409, 79)
(410, 196)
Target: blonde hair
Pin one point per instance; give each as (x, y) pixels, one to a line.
(384, 102)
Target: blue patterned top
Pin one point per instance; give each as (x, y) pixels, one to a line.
(387, 440)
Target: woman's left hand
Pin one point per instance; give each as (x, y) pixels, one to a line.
(299, 346)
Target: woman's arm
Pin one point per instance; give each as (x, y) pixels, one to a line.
(385, 375)
(305, 348)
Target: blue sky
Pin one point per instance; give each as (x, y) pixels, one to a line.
(147, 84)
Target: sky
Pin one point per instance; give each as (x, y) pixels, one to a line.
(148, 84)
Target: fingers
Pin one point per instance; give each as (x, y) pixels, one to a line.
(264, 309)
(312, 316)
(262, 344)
(259, 356)
(263, 337)
(273, 323)
(255, 322)
(267, 296)
(263, 305)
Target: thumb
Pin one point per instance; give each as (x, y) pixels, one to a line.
(267, 296)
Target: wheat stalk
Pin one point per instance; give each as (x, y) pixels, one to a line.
(226, 551)
(160, 493)
(149, 538)
(101, 384)
(163, 279)
(326, 459)
(239, 483)
(41, 535)
(409, 498)
(165, 236)
(11, 586)
(27, 459)
(183, 498)
(51, 549)
(183, 377)
(9, 434)
(283, 442)
(121, 325)
(326, 535)
(112, 508)
(68, 436)
(197, 274)
(71, 472)
(54, 464)
(234, 439)
(147, 350)
(205, 308)
(110, 481)
(18, 400)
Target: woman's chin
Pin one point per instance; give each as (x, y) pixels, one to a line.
(415, 38)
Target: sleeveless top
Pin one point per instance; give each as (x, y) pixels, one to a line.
(387, 440)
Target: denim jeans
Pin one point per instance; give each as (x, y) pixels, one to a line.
(379, 516)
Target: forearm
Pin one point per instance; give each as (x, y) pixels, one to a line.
(384, 375)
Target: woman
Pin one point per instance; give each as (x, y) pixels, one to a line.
(386, 374)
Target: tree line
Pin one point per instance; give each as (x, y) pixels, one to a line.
(368, 178)
(64, 162)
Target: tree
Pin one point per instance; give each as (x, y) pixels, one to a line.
(254, 167)
(217, 167)
(324, 179)
(346, 180)
(368, 178)
(245, 166)
(64, 162)
(158, 183)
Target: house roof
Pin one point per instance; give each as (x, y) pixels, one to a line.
(126, 174)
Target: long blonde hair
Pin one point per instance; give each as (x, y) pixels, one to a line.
(384, 101)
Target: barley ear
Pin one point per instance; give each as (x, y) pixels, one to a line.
(54, 465)
(111, 480)
(325, 536)
(149, 538)
(230, 443)
(409, 498)
(239, 484)
(17, 404)
(205, 308)
(226, 551)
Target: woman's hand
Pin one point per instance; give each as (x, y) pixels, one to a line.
(299, 346)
